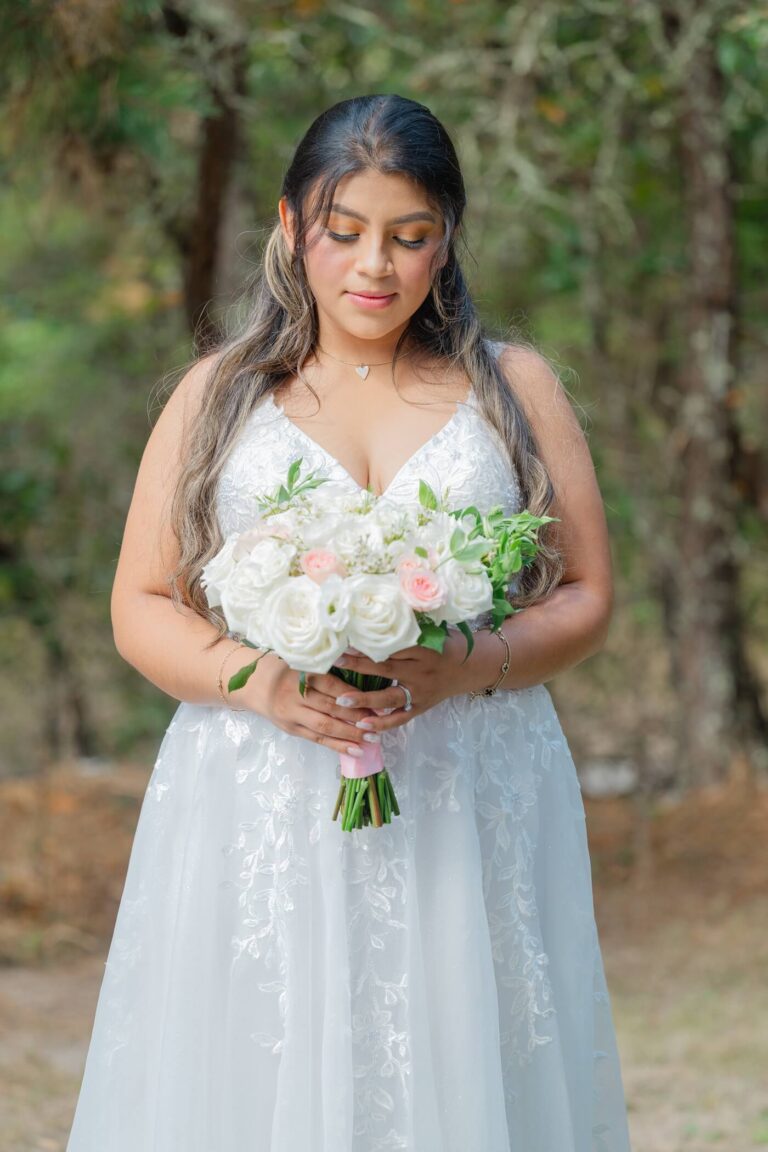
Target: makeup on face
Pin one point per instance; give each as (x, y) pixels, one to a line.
(370, 261)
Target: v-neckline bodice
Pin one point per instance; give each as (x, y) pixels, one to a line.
(445, 429)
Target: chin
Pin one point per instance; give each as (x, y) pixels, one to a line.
(368, 327)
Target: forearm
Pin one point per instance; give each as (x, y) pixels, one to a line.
(544, 639)
(168, 647)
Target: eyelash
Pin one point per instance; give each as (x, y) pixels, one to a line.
(342, 239)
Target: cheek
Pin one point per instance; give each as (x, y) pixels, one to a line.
(415, 274)
(326, 264)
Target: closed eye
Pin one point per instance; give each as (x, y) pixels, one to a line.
(348, 237)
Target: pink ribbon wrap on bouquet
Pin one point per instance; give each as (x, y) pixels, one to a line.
(372, 760)
(355, 767)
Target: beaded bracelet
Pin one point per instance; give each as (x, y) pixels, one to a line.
(225, 698)
(491, 691)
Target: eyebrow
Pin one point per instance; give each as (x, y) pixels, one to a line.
(407, 219)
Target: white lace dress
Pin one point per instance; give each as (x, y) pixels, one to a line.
(277, 985)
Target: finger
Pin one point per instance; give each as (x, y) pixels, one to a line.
(327, 683)
(378, 724)
(374, 700)
(352, 745)
(353, 709)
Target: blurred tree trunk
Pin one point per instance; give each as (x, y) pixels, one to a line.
(198, 238)
(718, 696)
(66, 723)
(201, 243)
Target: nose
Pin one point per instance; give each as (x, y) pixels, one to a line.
(373, 258)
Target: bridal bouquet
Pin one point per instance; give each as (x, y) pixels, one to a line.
(324, 569)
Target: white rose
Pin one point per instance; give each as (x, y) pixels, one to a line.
(335, 603)
(242, 595)
(270, 560)
(392, 517)
(295, 626)
(331, 497)
(254, 626)
(320, 531)
(437, 534)
(394, 551)
(380, 621)
(218, 570)
(264, 530)
(254, 576)
(469, 593)
(348, 540)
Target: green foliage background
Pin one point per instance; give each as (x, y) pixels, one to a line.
(567, 122)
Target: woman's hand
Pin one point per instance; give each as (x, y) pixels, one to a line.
(316, 716)
(429, 676)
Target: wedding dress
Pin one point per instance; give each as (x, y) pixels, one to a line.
(435, 985)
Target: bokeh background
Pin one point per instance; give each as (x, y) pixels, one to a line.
(616, 156)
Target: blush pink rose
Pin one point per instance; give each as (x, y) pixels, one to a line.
(409, 561)
(319, 564)
(422, 588)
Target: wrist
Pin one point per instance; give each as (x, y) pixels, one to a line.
(258, 692)
(237, 657)
(233, 658)
(484, 668)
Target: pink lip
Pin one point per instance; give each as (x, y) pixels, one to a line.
(372, 300)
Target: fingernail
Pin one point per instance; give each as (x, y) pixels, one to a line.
(363, 724)
(372, 737)
(340, 661)
(345, 701)
(352, 652)
(353, 750)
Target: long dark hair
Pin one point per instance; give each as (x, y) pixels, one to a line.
(384, 133)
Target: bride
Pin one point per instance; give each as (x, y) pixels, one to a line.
(437, 984)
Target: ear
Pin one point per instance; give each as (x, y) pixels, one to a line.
(286, 220)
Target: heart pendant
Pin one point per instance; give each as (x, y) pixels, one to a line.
(362, 370)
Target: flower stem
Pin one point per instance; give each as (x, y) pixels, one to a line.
(373, 801)
(340, 797)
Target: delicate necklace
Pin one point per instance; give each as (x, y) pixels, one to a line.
(361, 369)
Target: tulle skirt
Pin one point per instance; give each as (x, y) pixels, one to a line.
(436, 985)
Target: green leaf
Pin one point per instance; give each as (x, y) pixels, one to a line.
(458, 539)
(466, 631)
(432, 635)
(472, 551)
(293, 471)
(427, 497)
(302, 683)
(420, 551)
(241, 677)
(502, 609)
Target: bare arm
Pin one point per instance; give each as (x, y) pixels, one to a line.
(573, 622)
(168, 645)
(165, 644)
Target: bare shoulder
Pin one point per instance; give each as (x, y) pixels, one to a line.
(535, 383)
(551, 415)
(187, 397)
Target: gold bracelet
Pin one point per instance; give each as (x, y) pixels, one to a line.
(504, 668)
(225, 698)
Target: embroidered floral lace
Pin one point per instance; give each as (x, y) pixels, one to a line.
(437, 985)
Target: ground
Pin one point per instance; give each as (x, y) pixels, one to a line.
(681, 901)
